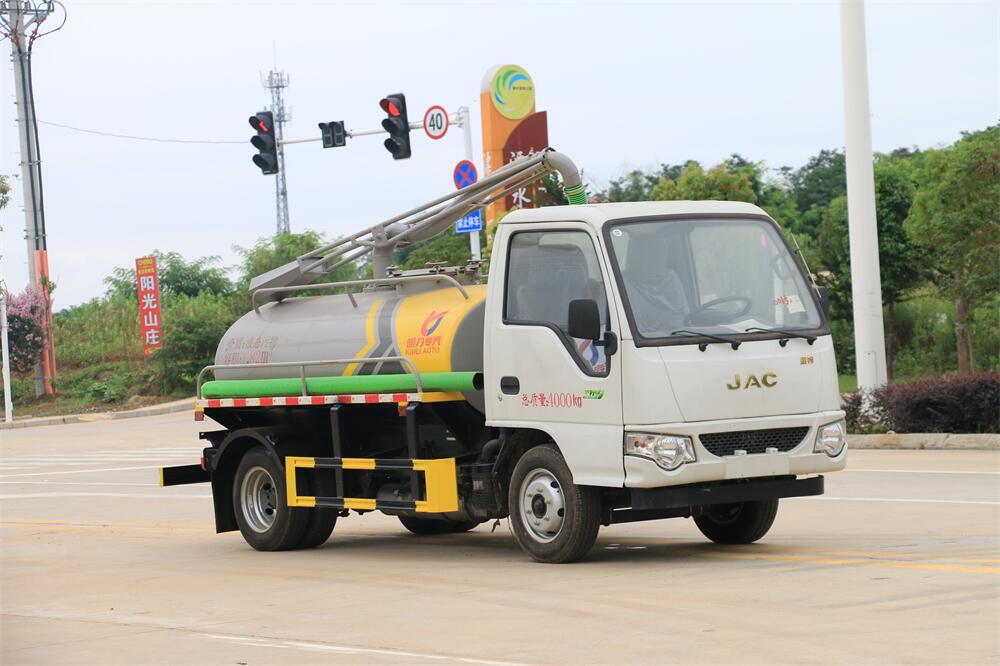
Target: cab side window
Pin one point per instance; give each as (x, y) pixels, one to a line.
(545, 271)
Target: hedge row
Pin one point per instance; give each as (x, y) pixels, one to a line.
(954, 404)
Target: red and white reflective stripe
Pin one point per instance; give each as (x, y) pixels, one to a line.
(300, 400)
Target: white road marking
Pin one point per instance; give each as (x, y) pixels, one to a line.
(920, 471)
(899, 499)
(77, 483)
(163, 495)
(80, 471)
(352, 650)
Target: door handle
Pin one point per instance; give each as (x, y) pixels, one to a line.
(510, 385)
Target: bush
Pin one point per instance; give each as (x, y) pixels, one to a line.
(25, 317)
(193, 327)
(955, 404)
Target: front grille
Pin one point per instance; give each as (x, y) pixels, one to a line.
(753, 441)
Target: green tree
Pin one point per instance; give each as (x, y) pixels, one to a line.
(176, 275)
(4, 192)
(637, 185)
(448, 248)
(956, 217)
(821, 180)
(694, 183)
(193, 326)
(902, 262)
(272, 252)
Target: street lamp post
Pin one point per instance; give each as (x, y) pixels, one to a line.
(866, 283)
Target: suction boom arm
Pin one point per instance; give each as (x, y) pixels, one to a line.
(420, 223)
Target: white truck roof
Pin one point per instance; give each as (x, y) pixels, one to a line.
(599, 214)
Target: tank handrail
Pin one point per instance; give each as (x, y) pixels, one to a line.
(301, 365)
(357, 283)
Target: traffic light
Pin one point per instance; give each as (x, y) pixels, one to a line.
(334, 135)
(397, 125)
(266, 158)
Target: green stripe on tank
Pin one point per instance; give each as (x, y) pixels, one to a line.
(264, 388)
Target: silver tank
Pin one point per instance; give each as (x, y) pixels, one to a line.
(436, 327)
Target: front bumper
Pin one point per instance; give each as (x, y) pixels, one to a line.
(643, 473)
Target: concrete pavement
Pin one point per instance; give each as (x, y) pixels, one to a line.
(898, 563)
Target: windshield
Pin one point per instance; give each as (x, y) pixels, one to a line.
(713, 276)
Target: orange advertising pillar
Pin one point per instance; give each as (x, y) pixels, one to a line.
(511, 128)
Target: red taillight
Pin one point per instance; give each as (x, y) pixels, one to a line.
(203, 463)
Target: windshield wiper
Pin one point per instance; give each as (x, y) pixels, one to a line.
(784, 341)
(702, 346)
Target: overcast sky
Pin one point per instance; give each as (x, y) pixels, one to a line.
(625, 86)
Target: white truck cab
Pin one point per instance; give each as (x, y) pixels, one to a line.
(661, 344)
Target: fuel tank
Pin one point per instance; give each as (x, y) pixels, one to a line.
(437, 327)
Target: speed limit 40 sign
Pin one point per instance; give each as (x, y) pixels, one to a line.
(436, 122)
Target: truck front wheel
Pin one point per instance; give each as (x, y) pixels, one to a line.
(554, 520)
(745, 522)
(262, 512)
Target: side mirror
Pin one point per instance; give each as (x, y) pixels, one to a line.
(824, 301)
(584, 319)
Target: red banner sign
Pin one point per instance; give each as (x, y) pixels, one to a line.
(150, 314)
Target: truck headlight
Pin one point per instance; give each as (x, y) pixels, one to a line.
(831, 438)
(667, 451)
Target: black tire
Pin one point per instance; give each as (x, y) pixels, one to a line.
(287, 526)
(319, 528)
(321, 521)
(737, 523)
(432, 526)
(534, 475)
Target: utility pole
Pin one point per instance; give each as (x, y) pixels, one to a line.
(20, 21)
(866, 282)
(276, 82)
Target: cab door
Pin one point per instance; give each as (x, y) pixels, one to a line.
(539, 377)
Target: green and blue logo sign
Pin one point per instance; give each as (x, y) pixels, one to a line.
(513, 92)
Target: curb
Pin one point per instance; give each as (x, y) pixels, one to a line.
(153, 410)
(927, 441)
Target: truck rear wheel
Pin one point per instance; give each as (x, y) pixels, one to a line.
(429, 526)
(554, 520)
(745, 522)
(319, 528)
(262, 512)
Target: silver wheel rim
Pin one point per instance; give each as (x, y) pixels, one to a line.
(259, 499)
(542, 507)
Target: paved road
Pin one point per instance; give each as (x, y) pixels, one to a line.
(899, 562)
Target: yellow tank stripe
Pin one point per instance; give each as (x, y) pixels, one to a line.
(369, 338)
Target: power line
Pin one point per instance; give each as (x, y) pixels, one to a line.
(133, 137)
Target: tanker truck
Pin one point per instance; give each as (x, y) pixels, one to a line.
(621, 362)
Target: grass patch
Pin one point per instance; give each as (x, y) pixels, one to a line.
(100, 387)
(848, 383)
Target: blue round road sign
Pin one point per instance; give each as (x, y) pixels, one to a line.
(465, 174)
